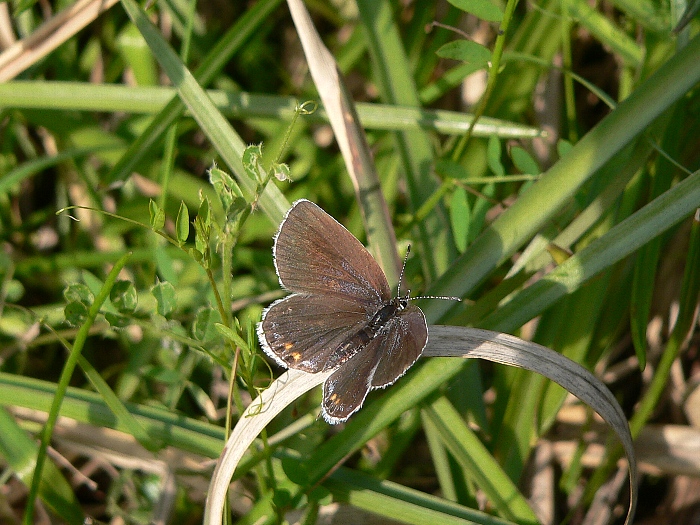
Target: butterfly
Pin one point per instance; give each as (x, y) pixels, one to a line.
(340, 316)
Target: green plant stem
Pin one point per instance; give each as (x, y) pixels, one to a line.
(491, 82)
(62, 386)
(569, 97)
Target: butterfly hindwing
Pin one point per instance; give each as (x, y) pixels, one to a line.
(381, 362)
(402, 346)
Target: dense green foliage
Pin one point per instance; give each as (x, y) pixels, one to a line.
(564, 214)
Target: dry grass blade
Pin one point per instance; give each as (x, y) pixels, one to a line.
(49, 36)
(444, 341)
(283, 391)
(453, 341)
(351, 141)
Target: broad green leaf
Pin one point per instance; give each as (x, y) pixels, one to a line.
(203, 328)
(493, 156)
(459, 217)
(480, 8)
(164, 292)
(123, 296)
(281, 172)
(466, 51)
(75, 313)
(79, 292)
(524, 161)
(231, 335)
(182, 224)
(251, 162)
(451, 169)
(157, 215)
(117, 320)
(225, 187)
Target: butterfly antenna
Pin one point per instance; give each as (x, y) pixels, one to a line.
(403, 268)
(445, 297)
(408, 295)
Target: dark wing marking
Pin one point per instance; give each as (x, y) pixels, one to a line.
(303, 331)
(315, 254)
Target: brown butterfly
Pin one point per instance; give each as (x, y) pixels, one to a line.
(341, 314)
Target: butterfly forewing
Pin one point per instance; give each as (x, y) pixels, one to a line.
(295, 334)
(315, 254)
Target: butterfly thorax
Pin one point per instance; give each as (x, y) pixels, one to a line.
(356, 342)
(385, 313)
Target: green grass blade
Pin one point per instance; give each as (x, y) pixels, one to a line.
(397, 86)
(400, 503)
(548, 195)
(622, 240)
(215, 60)
(226, 141)
(82, 96)
(478, 463)
(19, 452)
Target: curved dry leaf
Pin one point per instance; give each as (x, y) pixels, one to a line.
(282, 392)
(444, 341)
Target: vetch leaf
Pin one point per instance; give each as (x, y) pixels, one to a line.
(204, 211)
(480, 8)
(465, 51)
(524, 161)
(203, 327)
(157, 215)
(231, 335)
(450, 168)
(459, 217)
(78, 292)
(116, 320)
(75, 313)
(165, 298)
(493, 156)
(182, 224)
(563, 147)
(251, 163)
(202, 239)
(281, 172)
(225, 187)
(196, 255)
(123, 296)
